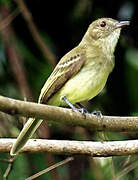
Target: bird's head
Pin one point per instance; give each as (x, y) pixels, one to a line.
(104, 33)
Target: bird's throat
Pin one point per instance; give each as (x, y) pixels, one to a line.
(109, 44)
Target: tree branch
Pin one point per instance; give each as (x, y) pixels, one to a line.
(50, 168)
(67, 116)
(33, 29)
(96, 149)
(14, 58)
(5, 22)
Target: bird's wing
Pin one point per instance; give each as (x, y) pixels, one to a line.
(68, 66)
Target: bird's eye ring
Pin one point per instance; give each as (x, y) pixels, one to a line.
(103, 24)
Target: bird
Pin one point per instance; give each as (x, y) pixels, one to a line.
(80, 74)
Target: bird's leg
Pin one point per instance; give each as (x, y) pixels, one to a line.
(81, 110)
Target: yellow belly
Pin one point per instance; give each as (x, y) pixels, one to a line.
(83, 86)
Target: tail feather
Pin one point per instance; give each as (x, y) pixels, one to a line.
(27, 131)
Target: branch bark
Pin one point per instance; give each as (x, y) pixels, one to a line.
(95, 149)
(67, 116)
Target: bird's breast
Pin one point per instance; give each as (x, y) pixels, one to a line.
(85, 85)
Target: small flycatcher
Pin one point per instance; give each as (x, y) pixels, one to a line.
(81, 74)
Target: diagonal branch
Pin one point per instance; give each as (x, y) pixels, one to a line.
(8, 19)
(95, 149)
(67, 116)
(50, 168)
(14, 58)
(33, 29)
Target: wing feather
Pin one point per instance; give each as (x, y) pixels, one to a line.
(68, 66)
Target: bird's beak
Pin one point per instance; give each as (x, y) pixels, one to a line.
(122, 24)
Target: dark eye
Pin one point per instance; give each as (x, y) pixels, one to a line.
(103, 24)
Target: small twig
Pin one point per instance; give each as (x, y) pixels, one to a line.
(126, 170)
(7, 171)
(5, 22)
(50, 168)
(34, 31)
(9, 168)
(7, 160)
(15, 60)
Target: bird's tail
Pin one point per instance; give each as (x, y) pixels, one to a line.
(27, 131)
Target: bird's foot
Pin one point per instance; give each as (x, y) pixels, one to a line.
(97, 113)
(81, 110)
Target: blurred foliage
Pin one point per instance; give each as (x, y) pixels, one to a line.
(131, 72)
(61, 25)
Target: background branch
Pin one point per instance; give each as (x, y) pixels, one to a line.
(67, 116)
(14, 57)
(96, 149)
(33, 29)
(8, 19)
(50, 168)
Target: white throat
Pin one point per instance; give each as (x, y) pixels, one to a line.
(110, 42)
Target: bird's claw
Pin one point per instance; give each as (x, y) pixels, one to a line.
(97, 113)
(81, 110)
